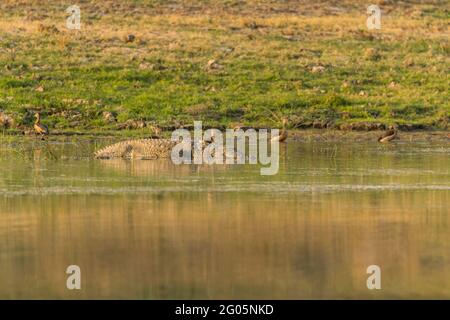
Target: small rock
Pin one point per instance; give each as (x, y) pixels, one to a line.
(409, 62)
(317, 69)
(6, 121)
(139, 124)
(36, 77)
(39, 89)
(145, 66)
(213, 65)
(291, 37)
(132, 124)
(392, 85)
(109, 116)
(227, 50)
(130, 38)
(372, 54)
(211, 88)
(252, 25)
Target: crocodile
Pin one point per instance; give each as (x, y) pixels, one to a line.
(144, 149)
(149, 149)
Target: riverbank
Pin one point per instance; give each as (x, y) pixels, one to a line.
(155, 66)
(306, 135)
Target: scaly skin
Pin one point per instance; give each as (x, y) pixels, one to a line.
(137, 149)
(147, 149)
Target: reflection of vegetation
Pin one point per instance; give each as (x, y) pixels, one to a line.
(231, 245)
(53, 149)
(318, 64)
(29, 151)
(149, 168)
(228, 233)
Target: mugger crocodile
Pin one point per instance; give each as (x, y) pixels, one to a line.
(149, 149)
(144, 149)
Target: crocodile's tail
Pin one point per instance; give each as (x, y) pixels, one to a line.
(115, 150)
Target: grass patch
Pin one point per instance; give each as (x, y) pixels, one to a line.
(227, 63)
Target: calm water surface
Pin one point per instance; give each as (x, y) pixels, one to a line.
(152, 230)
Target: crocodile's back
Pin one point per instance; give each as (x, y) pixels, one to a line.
(139, 149)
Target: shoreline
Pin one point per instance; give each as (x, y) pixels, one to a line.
(305, 135)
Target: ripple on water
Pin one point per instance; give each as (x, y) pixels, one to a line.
(272, 188)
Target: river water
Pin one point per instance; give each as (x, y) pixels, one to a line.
(154, 230)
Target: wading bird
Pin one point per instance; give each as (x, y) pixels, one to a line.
(388, 136)
(40, 128)
(283, 134)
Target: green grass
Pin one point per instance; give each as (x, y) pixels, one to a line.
(397, 75)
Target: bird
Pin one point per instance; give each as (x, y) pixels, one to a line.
(388, 136)
(283, 134)
(40, 128)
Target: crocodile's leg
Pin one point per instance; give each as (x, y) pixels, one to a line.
(128, 153)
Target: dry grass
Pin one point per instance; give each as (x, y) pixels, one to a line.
(266, 51)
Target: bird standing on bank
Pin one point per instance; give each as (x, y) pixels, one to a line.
(283, 134)
(388, 136)
(40, 128)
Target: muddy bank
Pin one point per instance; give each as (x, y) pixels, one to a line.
(294, 134)
(358, 136)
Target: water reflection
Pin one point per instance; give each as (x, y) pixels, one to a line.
(148, 229)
